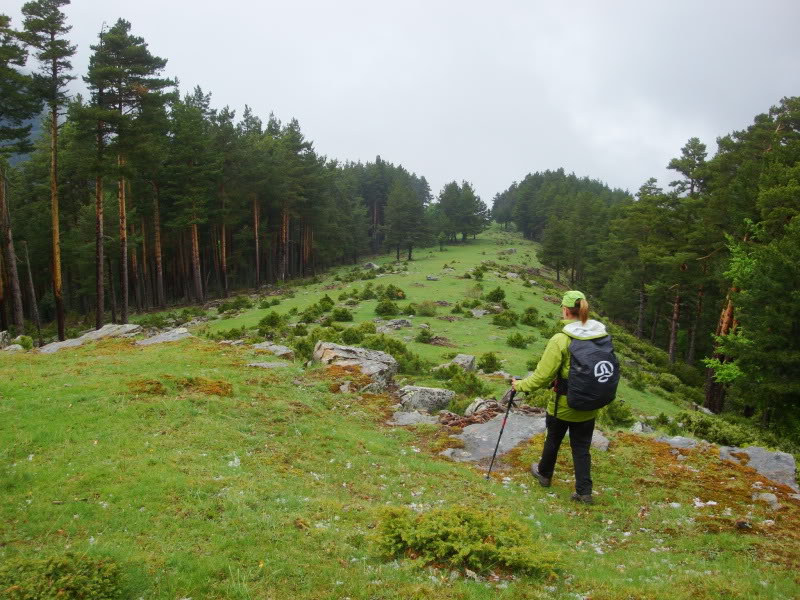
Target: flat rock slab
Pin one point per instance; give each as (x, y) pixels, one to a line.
(777, 466)
(276, 349)
(478, 312)
(403, 418)
(269, 365)
(425, 398)
(173, 335)
(14, 348)
(379, 366)
(480, 439)
(108, 330)
(678, 441)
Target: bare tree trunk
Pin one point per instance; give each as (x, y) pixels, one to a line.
(690, 352)
(146, 295)
(137, 292)
(642, 304)
(161, 299)
(715, 391)
(99, 251)
(284, 244)
(3, 319)
(673, 329)
(112, 292)
(57, 285)
(18, 316)
(654, 328)
(32, 292)
(123, 243)
(198, 276)
(256, 227)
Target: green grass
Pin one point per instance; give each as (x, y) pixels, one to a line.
(204, 478)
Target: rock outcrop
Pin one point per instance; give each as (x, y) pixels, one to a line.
(465, 361)
(426, 398)
(380, 367)
(777, 466)
(173, 335)
(479, 440)
(276, 349)
(110, 330)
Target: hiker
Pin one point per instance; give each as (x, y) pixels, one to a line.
(595, 383)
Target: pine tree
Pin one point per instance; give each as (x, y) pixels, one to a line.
(45, 28)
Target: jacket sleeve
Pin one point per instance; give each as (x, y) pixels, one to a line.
(547, 369)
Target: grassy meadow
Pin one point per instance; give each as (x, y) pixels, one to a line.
(203, 478)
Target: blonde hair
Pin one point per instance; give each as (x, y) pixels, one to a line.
(580, 310)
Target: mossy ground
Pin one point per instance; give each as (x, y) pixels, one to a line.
(205, 478)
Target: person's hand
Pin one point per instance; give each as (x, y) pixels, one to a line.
(514, 384)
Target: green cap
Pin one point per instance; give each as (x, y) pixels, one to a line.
(571, 298)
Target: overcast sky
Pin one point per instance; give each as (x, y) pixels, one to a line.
(478, 90)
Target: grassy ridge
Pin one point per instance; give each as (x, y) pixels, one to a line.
(207, 479)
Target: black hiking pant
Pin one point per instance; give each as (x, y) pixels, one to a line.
(580, 440)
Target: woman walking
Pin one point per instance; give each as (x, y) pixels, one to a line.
(595, 378)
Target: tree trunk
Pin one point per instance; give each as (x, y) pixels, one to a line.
(640, 320)
(32, 292)
(198, 276)
(146, 290)
(123, 243)
(673, 329)
(3, 320)
(224, 259)
(99, 251)
(397, 257)
(18, 316)
(690, 352)
(161, 299)
(137, 292)
(57, 291)
(654, 328)
(256, 227)
(715, 391)
(284, 245)
(112, 292)
(409, 251)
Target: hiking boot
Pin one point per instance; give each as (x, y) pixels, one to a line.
(543, 481)
(585, 498)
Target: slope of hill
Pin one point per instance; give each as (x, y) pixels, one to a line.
(202, 478)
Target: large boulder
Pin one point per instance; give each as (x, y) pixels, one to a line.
(478, 312)
(777, 466)
(465, 361)
(480, 439)
(56, 346)
(599, 441)
(276, 349)
(378, 366)
(431, 399)
(173, 335)
(371, 266)
(13, 348)
(5, 339)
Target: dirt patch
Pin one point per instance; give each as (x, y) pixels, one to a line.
(552, 299)
(202, 385)
(442, 341)
(147, 387)
(442, 303)
(449, 318)
(338, 375)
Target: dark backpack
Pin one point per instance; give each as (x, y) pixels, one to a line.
(593, 374)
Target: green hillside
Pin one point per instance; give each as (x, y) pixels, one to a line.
(198, 477)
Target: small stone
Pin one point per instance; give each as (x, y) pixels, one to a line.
(768, 498)
(511, 275)
(269, 365)
(430, 399)
(432, 278)
(478, 312)
(640, 427)
(403, 418)
(599, 441)
(465, 361)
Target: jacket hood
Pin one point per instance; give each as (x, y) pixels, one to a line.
(585, 331)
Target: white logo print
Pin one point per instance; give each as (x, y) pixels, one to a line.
(603, 371)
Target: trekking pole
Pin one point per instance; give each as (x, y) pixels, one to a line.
(502, 427)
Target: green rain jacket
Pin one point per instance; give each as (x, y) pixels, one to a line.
(555, 364)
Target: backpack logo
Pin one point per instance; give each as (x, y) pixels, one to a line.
(603, 371)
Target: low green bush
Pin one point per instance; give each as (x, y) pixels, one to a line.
(532, 318)
(507, 318)
(464, 538)
(498, 294)
(616, 414)
(387, 308)
(393, 292)
(157, 320)
(424, 336)
(715, 429)
(409, 362)
(26, 342)
(668, 382)
(341, 314)
(489, 362)
(427, 308)
(271, 320)
(69, 577)
(517, 340)
(457, 309)
(467, 383)
(238, 303)
(326, 303)
(367, 293)
(446, 372)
